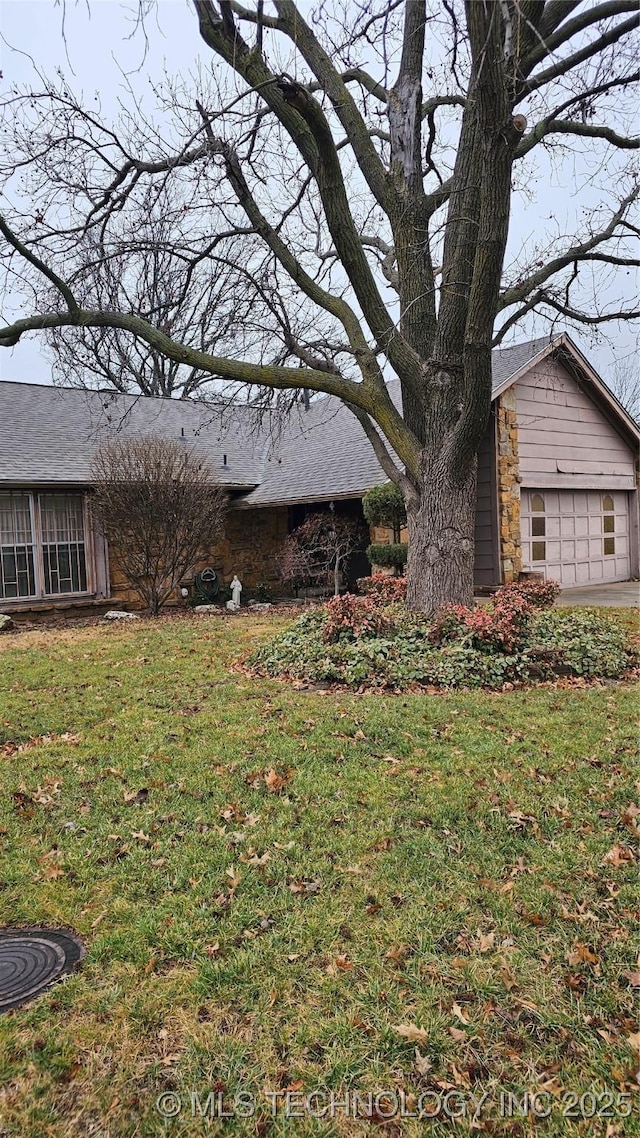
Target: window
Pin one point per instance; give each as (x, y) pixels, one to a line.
(42, 545)
(608, 525)
(17, 571)
(538, 528)
(63, 552)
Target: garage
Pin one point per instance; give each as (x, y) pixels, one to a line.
(576, 536)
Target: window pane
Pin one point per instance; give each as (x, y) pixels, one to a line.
(537, 504)
(538, 550)
(63, 549)
(608, 523)
(607, 504)
(609, 546)
(538, 527)
(17, 575)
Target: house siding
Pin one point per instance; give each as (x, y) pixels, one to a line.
(568, 442)
(565, 440)
(486, 570)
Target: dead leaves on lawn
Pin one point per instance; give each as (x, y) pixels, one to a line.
(274, 780)
(9, 749)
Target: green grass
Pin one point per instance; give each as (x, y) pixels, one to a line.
(436, 861)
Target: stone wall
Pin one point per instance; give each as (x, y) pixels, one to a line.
(249, 547)
(508, 487)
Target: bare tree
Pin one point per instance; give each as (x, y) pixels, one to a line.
(625, 384)
(354, 172)
(161, 511)
(319, 549)
(200, 305)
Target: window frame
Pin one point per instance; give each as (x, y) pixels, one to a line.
(40, 596)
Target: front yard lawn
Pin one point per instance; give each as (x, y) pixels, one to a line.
(284, 891)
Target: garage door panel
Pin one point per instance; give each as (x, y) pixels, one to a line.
(580, 536)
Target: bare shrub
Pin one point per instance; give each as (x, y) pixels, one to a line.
(160, 508)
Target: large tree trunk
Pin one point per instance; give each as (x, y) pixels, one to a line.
(441, 528)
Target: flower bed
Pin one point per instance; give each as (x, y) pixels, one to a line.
(374, 640)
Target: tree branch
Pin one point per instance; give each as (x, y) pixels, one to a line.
(564, 126)
(25, 252)
(342, 101)
(551, 38)
(595, 47)
(582, 252)
(383, 456)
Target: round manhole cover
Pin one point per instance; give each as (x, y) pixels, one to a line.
(31, 959)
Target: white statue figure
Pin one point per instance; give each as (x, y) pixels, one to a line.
(236, 589)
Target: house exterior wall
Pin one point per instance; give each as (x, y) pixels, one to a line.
(486, 569)
(565, 440)
(251, 541)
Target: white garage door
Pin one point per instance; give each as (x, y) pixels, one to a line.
(576, 537)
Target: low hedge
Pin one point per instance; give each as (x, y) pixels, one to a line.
(392, 556)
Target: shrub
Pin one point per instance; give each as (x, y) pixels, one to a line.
(351, 617)
(504, 624)
(384, 588)
(393, 556)
(161, 510)
(584, 640)
(358, 640)
(318, 551)
(384, 506)
(540, 594)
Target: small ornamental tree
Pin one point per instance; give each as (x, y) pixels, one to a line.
(160, 509)
(319, 549)
(384, 506)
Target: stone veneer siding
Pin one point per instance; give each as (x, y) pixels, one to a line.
(251, 541)
(508, 487)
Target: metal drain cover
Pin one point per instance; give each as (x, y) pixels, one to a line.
(31, 959)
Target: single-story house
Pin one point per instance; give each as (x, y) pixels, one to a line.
(557, 486)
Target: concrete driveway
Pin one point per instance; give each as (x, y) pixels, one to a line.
(621, 594)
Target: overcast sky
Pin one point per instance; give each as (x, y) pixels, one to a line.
(97, 51)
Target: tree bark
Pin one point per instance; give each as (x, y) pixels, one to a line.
(441, 525)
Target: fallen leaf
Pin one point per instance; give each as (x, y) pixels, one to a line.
(618, 856)
(397, 952)
(411, 1032)
(234, 877)
(457, 1034)
(581, 954)
(305, 887)
(632, 977)
(423, 1063)
(485, 941)
(274, 782)
(457, 1011)
(508, 978)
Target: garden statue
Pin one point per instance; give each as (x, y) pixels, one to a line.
(236, 589)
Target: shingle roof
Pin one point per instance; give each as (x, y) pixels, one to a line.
(324, 453)
(48, 436)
